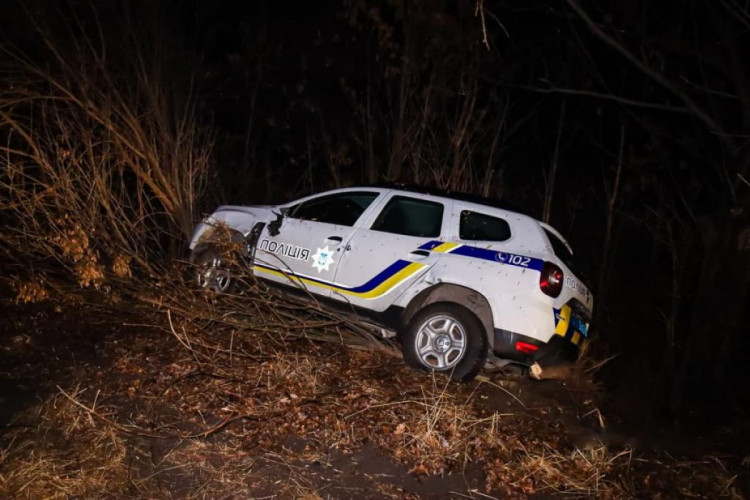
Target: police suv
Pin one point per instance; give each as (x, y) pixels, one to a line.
(458, 278)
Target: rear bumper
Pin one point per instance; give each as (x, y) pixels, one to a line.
(515, 346)
(570, 333)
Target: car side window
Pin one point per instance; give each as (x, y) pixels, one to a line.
(340, 208)
(410, 217)
(480, 227)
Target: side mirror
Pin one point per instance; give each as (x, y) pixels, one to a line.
(274, 228)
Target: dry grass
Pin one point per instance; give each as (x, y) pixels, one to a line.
(60, 451)
(579, 472)
(208, 409)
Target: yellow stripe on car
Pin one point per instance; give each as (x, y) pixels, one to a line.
(445, 247)
(379, 290)
(563, 321)
(387, 285)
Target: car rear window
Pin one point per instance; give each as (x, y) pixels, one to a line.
(410, 217)
(480, 227)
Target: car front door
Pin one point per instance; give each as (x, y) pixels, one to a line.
(304, 246)
(399, 246)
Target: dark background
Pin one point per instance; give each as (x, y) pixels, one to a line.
(626, 125)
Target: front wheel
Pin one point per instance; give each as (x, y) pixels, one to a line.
(212, 272)
(446, 338)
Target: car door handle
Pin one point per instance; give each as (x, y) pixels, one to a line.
(421, 254)
(336, 239)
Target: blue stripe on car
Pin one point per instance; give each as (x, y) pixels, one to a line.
(510, 259)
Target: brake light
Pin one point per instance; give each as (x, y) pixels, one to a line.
(551, 279)
(525, 347)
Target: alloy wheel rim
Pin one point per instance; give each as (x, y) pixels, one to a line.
(211, 276)
(440, 342)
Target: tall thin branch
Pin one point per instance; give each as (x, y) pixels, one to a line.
(660, 79)
(550, 188)
(608, 97)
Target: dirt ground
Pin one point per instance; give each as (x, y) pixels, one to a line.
(119, 401)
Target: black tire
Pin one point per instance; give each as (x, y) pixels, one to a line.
(448, 338)
(212, 270)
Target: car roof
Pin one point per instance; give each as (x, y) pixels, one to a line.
(454, 195)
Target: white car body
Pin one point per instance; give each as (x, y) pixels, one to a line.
(387, 275)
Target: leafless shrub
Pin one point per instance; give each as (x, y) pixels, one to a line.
(99, 167)
(428, 108)
(260, 311)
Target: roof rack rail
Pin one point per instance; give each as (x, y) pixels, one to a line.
(458, 195)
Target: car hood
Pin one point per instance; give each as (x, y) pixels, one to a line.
(243, 218)
(251, 210)
(239, 218)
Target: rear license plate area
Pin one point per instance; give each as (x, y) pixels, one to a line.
(580, 326)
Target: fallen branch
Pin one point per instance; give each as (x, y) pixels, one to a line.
(115, 425)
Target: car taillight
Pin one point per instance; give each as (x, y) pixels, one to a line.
(525, 347)
(551, 279)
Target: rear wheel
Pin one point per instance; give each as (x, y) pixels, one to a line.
(446, 337)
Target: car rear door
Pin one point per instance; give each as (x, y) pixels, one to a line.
(303, 248)
(383, 258)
